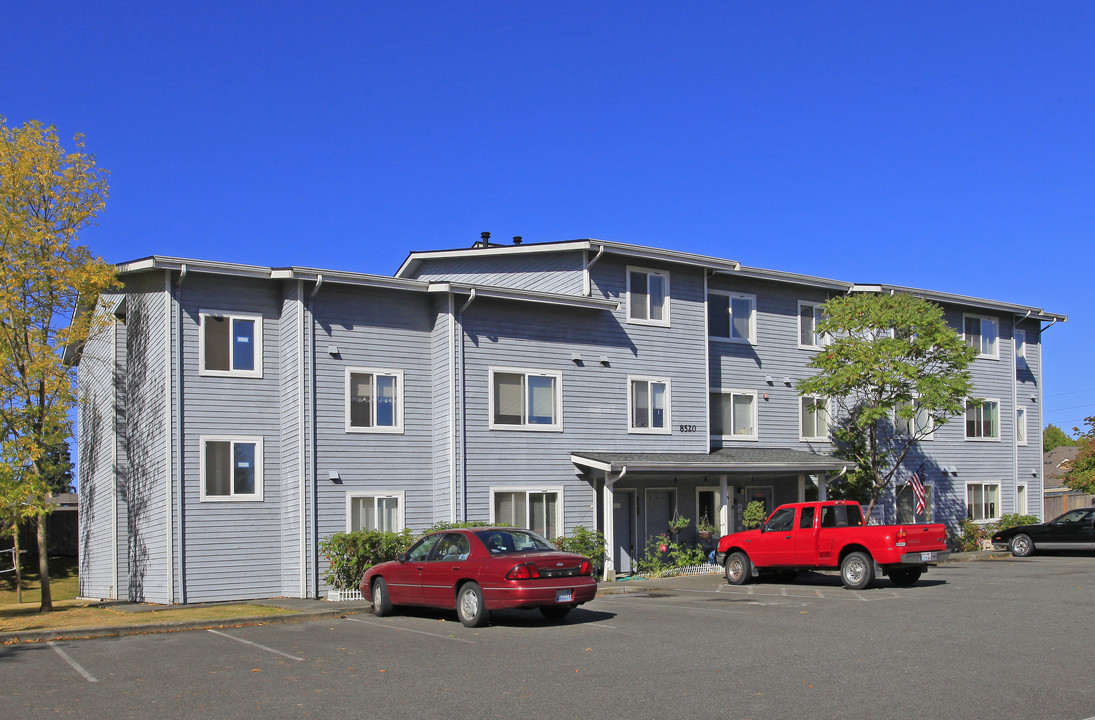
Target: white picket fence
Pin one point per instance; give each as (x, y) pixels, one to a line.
(704, 569)
(334, 595)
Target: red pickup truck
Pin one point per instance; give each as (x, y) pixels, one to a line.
(828, 535)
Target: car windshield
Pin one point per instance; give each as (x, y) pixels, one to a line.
(513, 541)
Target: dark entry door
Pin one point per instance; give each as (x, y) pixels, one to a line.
(623, 546)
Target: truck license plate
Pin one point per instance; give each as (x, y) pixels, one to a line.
(565, 595)
(926, 556)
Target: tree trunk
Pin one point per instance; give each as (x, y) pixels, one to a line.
(18, 567)
(43, 566)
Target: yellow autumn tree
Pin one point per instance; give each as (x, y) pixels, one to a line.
(47, 196)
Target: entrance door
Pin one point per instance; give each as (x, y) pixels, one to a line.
(623, 545)
(659, 511)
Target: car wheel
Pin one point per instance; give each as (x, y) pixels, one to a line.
(739, 570)
(1021, 545)
(469, 605)
(857, 571)
(382, 602)
(905, 577)
(555, 612)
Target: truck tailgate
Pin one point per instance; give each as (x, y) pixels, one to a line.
(924, 537)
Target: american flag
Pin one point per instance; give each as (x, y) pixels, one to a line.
(918, 489)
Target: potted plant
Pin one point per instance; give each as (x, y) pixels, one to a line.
(677, 523)
(754, 515)
(705, 528)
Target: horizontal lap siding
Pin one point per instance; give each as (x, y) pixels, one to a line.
(441, 360)
(385, 330)
(233, 549)
(290, 348)
(555, 272)
(96, 451)
(147, 326)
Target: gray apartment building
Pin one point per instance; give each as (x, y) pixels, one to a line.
(232, 416)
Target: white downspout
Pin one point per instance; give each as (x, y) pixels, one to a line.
(459, 476)
(114, 455)
(310, 475)
(179, 470)
(587, 279)
(169, 524)
(302, 500)
(452, 406)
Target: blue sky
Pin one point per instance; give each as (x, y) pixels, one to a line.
(943, 145)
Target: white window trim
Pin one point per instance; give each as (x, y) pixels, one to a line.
(668, 429)
(999, 422)
(999, 499)
(525, 426)
(930, 434)
(720, 507)
(396, 429)
(1022, 490)
(752, 339)
(828, 419)
(257, 496)
(528, 489)
(230, 315)
(664, 274)
(1020, 340)
(1021, 422)
(983, 319)
(756, 414)
(357, 495)
(817, 308)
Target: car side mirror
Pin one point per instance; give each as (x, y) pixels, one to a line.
(401, 558)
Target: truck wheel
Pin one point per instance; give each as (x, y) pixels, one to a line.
(1021, 545)
(739, 570)
(857, 571)
(905, 577)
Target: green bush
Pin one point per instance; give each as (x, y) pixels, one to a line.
(754, 516)
(1014, 520)
(970, 537)
(662, 554)
(590, 543)
(464, 524)
(350, 554)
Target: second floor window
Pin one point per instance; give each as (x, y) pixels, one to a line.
(231, 344)
(815, 418)
(527, 400)
(983, 421)
(374, 400)
(809, 315)
(732, 316)
(981, 333)
(647, 296)
(649, 405)
(920, 424)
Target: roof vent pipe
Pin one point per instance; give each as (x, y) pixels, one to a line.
(517, 239)
(484, 240)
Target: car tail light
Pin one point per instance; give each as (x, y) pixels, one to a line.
(586, 568)
(902, 537)
(526, 571)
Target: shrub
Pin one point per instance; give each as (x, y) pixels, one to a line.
(1014, 520)
(590, 543)
(663, 554)
(350, 554)
(464, 524)
(971, 537)
(754, 516)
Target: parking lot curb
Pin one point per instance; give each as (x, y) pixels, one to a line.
(32, 636)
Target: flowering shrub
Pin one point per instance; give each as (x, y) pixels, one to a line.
(662, 554)
(350, 554)
(590, 543)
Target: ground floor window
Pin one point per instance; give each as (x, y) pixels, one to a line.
(983, 501)
(536, 510)
(1021, 499)
(231, 468)
(906, 505)
(374, 511)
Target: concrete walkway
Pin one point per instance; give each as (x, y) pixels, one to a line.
(308, 609)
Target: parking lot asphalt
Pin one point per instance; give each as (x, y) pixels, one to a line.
(308, 609)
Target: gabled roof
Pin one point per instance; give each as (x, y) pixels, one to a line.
(723, 460)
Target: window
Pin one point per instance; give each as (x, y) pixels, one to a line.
(1021, 426)
(536, 510)
(921, 424)
(734, 414)
(815, 418)
(231, 468)
(732, 316)
(374, 400)
(1020, 348)
(981, 333)
(806, 520)
(374, 511)
(809, 315)
(526, 400)
(648, 405)
(906, 505)
(983, 501)
(782, 520)
(647, 296)
(231, 345)
(983, 421)
(1021, 499)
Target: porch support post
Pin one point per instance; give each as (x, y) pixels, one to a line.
(822, 487)
(607, 522)
(724, 518)
(802, 480)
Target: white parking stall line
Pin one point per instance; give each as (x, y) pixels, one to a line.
(255, 644)
(402, 629)
(75, 665)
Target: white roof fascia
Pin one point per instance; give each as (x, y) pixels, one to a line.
(942, 297)
(157, 262)
(499, 293)
(792, 278)
(634, 251)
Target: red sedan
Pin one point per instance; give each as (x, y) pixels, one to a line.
(477, 570)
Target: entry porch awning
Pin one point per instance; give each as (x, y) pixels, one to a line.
(725, 460)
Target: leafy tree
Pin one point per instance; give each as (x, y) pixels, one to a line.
(893, 371)
(1054, 437)
(47, 196)
(1082, 475)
